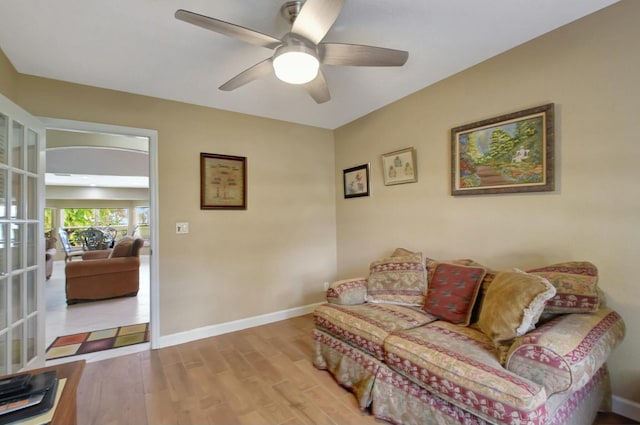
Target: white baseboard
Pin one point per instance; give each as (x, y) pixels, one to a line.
(627, 408)
(236, 325)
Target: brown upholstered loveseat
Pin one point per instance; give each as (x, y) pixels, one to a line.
(105, 274)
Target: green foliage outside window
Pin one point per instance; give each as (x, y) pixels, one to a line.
(98, 217)
(48, 218)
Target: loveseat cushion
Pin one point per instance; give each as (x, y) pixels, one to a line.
(397, 280)
(122, 248)
(566, 352)
(367, 325)
(576, 284)
(460, 365)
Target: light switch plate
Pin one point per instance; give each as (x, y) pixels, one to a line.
(182, 228)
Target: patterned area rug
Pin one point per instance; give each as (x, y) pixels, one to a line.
(90, 342)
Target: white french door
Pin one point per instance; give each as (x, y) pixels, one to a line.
(22, 144)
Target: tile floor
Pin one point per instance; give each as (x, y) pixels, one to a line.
(62, 319)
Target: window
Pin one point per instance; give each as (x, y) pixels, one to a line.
(48, 221)
(95, 217)
(142, 214)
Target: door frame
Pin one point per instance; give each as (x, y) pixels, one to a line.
(152, 135)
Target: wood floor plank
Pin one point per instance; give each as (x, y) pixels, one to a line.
(303, 408)
(212, 358)
(159, 408)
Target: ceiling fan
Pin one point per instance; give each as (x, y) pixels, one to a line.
(298, 55)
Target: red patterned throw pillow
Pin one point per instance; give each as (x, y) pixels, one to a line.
(452, 292)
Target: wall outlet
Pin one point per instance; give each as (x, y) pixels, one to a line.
(326, 286)
(182, 228)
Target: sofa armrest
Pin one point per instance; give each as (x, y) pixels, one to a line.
(566, 352)
(348, 291)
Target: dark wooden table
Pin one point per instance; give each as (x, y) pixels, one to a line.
(67, 410)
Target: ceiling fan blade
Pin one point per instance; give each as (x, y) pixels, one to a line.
(359, 55)
(256, 71)
(318, 89)
(315, 19)
(231, 30)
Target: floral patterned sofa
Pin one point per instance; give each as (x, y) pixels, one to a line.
(428, 342)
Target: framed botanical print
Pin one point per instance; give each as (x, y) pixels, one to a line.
(223, 182)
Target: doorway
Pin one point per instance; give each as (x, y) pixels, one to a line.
(149, 264)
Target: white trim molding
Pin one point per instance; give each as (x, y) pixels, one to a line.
(236, 325)
(627, 408)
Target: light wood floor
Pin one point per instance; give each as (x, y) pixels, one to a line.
(261, 375)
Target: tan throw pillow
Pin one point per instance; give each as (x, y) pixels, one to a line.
(122, 248)
(513, 304)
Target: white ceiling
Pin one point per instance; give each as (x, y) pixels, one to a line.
(139, 47)
(94, 166)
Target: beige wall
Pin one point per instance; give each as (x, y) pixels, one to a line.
(590, 70)
(233, 264)
(7, 76)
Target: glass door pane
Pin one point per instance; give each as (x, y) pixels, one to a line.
(4, 312)
(4, 136)
(16, 246)
(17, 312)
(32, 151)
(17, 145)
(3, 250)
(16, 195)
(32, 198)
(3, 193)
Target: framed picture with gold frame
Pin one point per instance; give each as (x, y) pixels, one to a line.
(399, 167)
(223, 182)
(511, 153)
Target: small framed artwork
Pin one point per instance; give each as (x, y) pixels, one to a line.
(399, 167)
(508, 154)
(356, 181)
(223, 182)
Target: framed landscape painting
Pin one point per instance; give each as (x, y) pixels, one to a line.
(508, 154)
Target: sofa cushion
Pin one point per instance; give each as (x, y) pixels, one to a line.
(397, 280)
(367, 325)
(452, 292)
(460, 365)
(576, 284)
(122, 248)
(513, 304)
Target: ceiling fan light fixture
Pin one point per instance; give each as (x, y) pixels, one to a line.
(296, 64)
